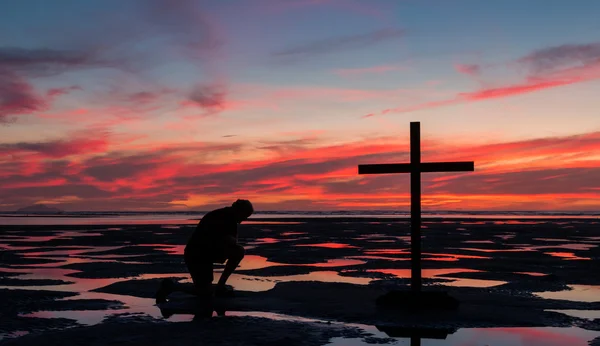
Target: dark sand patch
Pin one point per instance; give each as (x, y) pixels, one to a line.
(103, 270)
(221, 331)
(17, 301)
(31, 282)
(4, 274)
(512, 304)
(12, 258)
(356, 304)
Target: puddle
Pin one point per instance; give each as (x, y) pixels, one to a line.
(517, 222)
(285, 234)
(264, 283)
(388, 252)
(577, 293)
(567, 256)
(491, 250)
(478, 242)
(463, 282)
(571, 246)
(426, 273)
(551, 240)
(260, 241)
(451, 257)
(485, 336)
(439, 273)
(330, 245)
(506, 236)
(531, 273)
(14, 334)
(251, 222)
(585, 314)
(71, 252)
(368, 257)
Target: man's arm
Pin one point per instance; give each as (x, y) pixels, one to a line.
(230, 240)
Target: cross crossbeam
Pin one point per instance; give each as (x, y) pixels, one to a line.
(387, 168)
(415, 168)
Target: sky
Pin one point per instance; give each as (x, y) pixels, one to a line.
(179, 105)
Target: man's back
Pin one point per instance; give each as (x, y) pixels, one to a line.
(213, 226)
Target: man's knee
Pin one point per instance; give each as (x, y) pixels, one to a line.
(237, 253)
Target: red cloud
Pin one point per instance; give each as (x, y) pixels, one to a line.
(321, 176)
(59, 148)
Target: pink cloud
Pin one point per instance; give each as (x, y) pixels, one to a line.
(348, 72)
(54, 92)
(17, 96)
(305, 169)
(468, 69)
(80, 144)
(561, 78)
(550, 68)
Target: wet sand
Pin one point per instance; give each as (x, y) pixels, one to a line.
(83, 282)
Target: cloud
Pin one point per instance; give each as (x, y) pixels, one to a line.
(143, 36)
(17, 96)
(340, 43)
(550, 68)
(81, 144)
(468, 69)
(559, 57)
(211, 97)
(348, 72)
(46, 62)
(54, 92)
(304, 169)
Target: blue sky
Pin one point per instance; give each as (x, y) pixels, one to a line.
(257, 82)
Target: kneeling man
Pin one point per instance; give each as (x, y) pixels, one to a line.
(213, 241)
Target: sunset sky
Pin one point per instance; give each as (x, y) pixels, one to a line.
(170, 105)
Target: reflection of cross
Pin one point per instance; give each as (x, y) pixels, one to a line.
(415, 168)
(416, 334)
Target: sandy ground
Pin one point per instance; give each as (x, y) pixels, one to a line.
(504, 273)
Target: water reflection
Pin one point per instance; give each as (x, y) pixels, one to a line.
(578, 293)
(426, 273)
(330, 245)
(585, 314)
(567, 256)
(476, 336)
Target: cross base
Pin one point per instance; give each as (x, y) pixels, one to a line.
(411, 300)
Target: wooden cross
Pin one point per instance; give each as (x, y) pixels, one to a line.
(415, 168)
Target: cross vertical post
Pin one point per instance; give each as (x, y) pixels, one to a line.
(415, 168)
(415, 206)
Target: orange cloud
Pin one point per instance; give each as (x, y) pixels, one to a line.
(309, 174)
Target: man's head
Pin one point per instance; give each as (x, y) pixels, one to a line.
(242, 209)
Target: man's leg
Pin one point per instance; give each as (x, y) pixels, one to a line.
(201, 271)
(235, 254)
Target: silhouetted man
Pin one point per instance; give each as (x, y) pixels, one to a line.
(213, 241)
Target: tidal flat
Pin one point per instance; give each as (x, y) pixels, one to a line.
(305, 281)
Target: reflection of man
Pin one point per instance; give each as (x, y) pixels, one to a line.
(213, 241)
